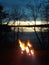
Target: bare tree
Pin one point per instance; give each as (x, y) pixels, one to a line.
(15, 17)
(45, 17)
(35, 11)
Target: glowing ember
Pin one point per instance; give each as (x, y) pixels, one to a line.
(21, 52)
(26, 47)
(32, 51)
(29, 54)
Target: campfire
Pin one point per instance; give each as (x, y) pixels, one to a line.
(26, 47)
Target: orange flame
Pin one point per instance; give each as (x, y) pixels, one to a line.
(26, 47)
(22, 45)
(28, 44)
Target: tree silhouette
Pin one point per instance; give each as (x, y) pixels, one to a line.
(45, 16)
(2, 14)
(35, 10)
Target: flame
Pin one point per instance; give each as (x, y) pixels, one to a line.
(28, 44)
(32, 51)
(22, 45)
(26, 47)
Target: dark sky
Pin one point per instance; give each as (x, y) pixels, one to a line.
(8, 4)
(21, 2)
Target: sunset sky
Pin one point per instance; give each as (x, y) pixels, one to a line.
(25, 12)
